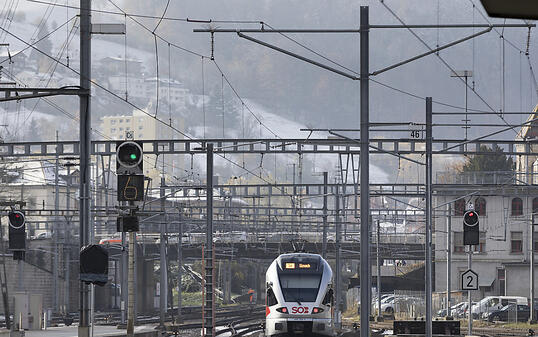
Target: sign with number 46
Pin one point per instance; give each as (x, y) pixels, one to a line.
(469, 280)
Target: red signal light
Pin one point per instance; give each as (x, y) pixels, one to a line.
(471, 214)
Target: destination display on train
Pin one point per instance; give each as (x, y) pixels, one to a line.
(299, 265)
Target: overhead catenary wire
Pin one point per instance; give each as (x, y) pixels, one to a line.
(440, 58)
(242, 101)
(29, 45)
(371, 79)
(130, 103)
(145, 16)
(202, 56)
(54, 65)
(66, 113)
(162, 16)
(157, 74)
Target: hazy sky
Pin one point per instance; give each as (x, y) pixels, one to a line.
(312, 96)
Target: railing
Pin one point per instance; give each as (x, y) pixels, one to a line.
(484, 178)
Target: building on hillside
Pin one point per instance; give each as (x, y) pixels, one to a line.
(38, 80)
(169, 90)
(144, 126)
(133, 87)
(120, 65)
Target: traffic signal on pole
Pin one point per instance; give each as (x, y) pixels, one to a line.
(129, 158)
(130, 173)
(94, 265)
(471, 231)
(17, 231)
(127, 223)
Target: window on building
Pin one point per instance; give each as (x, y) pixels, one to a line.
(517, 206)
(113, 130)
(535, 245)
(516, 242)
(112, 121)
(459, 207)
(535, 205)
(501, 278)
(121, 120)
(121, 129)
(140, 127)
(127, 120)
(480, 206)
(458, 242)
(127, 128)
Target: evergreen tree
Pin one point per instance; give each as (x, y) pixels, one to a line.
(494, 160)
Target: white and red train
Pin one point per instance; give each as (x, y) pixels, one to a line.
(299, 296)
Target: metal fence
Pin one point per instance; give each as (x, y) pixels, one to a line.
(409, 304)
(478, 178)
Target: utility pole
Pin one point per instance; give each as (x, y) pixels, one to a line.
(55, 230)
(162, 262)
(3, 278)
(448, 260)
(324, 242)
(470, 304)
(428, 269)
(378, 278)
(365, 283)
(338, 320)
(124, 276)
(465, 74)
(208, 314)
(131, 291)
(179, 266)
(300, 192)
(533, 307)
(85, 140)
(293, 200)
(67, 241)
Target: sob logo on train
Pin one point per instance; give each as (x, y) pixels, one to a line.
(299, 310)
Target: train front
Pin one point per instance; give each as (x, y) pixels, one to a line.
(299, 296)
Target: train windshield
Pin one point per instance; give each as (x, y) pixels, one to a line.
(300, 287)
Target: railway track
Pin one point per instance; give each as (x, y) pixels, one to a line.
(229, 318)
(500, 332)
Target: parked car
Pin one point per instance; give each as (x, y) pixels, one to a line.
(453, 310)
(493, 303)
(387, 304)
(462, 310)
(509, 313)
(42, 236)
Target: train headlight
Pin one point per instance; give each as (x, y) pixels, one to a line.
(283, 310)
(317, 310)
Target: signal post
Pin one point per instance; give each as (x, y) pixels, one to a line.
(129, 169)
(469, 279)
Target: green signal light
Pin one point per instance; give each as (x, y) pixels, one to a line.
(133, 156)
